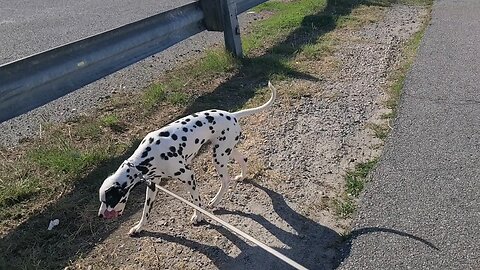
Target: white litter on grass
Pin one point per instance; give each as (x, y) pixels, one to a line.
(53, 223)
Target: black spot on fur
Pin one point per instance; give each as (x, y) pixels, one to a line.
(182, 170)
(184, 138)
(210, 127)
(164, 134)
(150, 140)
(148, 201)
(245, 159)
(210, 119)
(184, 123)
(199, 123)
(228, 118)
(173, 149)
(174, 137)
(228, 151)
(187, 119)
(170, 154)
(152, 187)
(144, 154)
(143, 169)
(196, 140)
(185, 129)
(189, 183)
(157, 142)
(177, 173)
(221, 114)
(207, 114)
(213, 110)
(202, 141)
(163, 156)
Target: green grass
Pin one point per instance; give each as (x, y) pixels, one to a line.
(110, 120)
(67, 158)
(355, 180)
(345, 208)
(89, 129)
(18, 191)
(288, 16)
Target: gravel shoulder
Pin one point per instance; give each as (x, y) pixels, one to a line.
(299, 153)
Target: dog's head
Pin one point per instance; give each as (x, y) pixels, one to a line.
(115, 190)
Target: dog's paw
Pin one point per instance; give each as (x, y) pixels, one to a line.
(135, 230)
(196, 219)
(238, 178)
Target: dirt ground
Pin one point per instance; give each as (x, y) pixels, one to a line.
(299, 152)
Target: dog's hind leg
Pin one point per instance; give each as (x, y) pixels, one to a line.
(190, 185)
(242, 160)
(147, 207)
(221, 155)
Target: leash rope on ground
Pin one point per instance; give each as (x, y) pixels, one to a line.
(236, 231)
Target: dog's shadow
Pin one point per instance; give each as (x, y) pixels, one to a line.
(312, 245)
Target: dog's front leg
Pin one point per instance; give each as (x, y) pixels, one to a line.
(147, 207)
(190, 186)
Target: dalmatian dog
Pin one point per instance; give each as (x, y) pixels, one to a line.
(168, 153)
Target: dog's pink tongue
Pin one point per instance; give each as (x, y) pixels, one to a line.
(110, 214)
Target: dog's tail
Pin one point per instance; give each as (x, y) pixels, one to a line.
(269, 103)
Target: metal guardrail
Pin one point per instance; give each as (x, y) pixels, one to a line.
(33, 81)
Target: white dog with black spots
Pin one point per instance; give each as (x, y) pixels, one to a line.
(168, 152)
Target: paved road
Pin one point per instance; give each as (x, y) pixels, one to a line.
(426, 191)
(30, 26)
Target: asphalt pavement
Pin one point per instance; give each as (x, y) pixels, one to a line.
(422, 208)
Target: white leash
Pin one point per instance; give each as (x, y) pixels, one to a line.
(237, 231)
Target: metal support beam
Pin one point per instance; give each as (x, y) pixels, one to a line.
(231, 30)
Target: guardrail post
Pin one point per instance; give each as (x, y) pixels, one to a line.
(231, 31)
(221, 15)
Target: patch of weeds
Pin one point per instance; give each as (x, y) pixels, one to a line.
(215, 61)
(288, 16)
(88, 129)
(355, 180)
(154, 94)
(113, 122)
(18, 191)
(345, 208)
(67, 158)
(110, 120)
(178, 98)
(380, 131)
